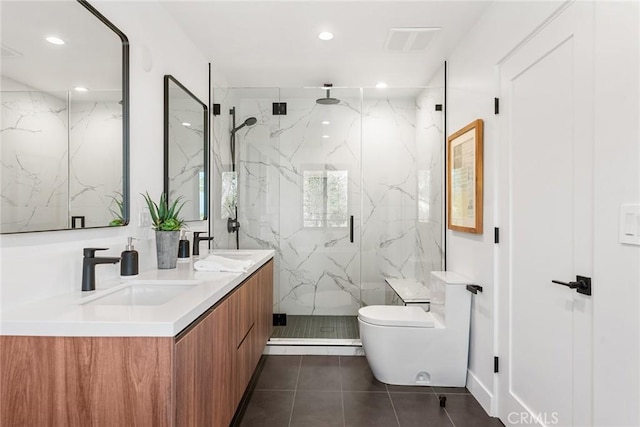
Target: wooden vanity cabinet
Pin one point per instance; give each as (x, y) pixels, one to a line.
(203, 365)
(217, 355)
(194, 379)
(254, 322)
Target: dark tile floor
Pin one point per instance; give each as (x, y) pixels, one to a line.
(327, 391)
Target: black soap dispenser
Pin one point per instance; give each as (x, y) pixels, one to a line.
(183, 247)
(129, 260)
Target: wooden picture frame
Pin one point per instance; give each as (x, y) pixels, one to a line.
(464, 179)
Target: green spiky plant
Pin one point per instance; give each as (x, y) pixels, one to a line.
(165, 217)
(118, 216)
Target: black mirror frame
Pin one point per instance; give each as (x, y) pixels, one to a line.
(205, 111)
(126, 204)
(126, 175)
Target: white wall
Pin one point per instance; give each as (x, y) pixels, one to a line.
(472, 85)
(616, 335)
(37, 265)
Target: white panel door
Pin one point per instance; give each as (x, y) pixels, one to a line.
(546, 214)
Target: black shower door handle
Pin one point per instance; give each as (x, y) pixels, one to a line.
(351, 228)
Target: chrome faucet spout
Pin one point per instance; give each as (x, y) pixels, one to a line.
(89, 263)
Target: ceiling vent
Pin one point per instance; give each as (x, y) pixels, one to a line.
(7, 52)
(410, 39)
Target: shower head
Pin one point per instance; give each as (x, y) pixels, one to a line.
(249, 122)
(328, 100)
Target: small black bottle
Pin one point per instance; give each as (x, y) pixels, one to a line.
(129, 260)
(183, 246)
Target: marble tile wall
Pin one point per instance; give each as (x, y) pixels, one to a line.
(34, 161)
(320, 267)
(220, 164)
(430, 154)
(186, 155)
(95, 160)
(385, 145)
(402, 210)
(58, 161)
(257, 169)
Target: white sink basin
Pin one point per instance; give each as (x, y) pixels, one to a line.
(152, 292)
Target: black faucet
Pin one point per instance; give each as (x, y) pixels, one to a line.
(89, 263)
(196, 241)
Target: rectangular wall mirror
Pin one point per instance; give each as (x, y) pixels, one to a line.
(186, 164)
(64, 81)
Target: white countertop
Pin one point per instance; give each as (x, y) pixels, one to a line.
(70, 315)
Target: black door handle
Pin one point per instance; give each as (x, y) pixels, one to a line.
(582, 284)
(572, 285)
(351, 228)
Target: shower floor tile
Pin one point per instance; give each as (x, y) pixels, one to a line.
(332, 327)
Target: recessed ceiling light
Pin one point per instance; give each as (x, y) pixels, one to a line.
(81, 89)
(381, 85)
(325, 35)
(326, 122)
(325, 136)
(55, 40)
(186, 124)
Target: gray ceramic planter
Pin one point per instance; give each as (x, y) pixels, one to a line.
(167, 248)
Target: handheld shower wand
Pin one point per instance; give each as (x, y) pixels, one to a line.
(233, 225)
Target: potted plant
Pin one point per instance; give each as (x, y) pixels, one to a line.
(167, 223)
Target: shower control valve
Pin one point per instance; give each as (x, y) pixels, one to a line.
(233, 225)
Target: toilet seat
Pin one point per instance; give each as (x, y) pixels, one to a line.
(394, 315)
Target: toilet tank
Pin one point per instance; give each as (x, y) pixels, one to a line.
(450, 300)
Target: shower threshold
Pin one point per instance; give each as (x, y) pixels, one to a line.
(319, 335)
(315, 342)
(314, 346)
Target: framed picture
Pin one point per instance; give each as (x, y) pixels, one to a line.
(464, 179)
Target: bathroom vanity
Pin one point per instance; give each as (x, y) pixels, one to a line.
(81, 360)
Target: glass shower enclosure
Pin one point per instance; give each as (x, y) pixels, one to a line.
(345, 194)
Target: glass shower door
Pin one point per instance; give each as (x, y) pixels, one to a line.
(320, 173)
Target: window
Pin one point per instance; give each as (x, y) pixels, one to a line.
(229, 195)
(424, 192)
(325, 198)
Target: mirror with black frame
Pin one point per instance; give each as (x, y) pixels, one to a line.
(185, 150)
(65, 118)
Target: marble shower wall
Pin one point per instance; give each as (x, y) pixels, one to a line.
(58, 161)
(95, 160)
(220, 164)
(320, 190)
(257, 173)
(430, 152)
(390, 151)
(401, 163)
(34, 161)
(186, 155)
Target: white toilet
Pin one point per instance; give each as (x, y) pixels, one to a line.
(406, 345)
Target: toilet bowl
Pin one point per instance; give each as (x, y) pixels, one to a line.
(405, 345)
